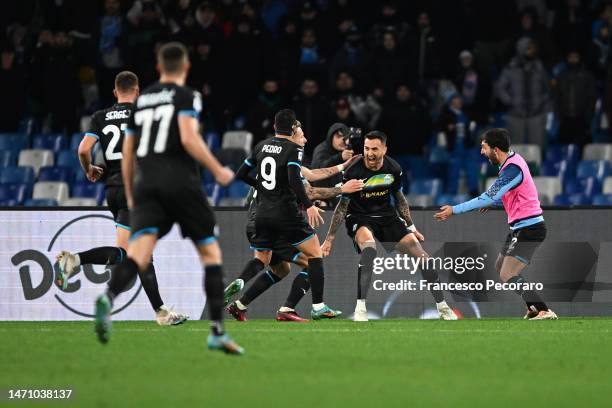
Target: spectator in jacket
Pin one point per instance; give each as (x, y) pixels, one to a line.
(523, 87)
(575, 95)
(475, 88)
(331, 152)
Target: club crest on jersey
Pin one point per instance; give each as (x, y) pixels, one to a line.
(300, 155)
(379, 180)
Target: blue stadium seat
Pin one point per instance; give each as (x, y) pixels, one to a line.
(8, 158)
(602, 199)
(431, 187)
(439, 155)
(451, 199)
(9, 203)
(212, 140)
(13, 175)
(86, 189)
(587, 186)
(232, 158)
(52, 141)
(56, 173)
(569, 152)
(16, 192)
(40, 202)
(75, 140)
(599, 169)
(14, 142)
(237, 189)
(68, 158)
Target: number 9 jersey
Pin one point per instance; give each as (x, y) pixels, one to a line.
(272, 158)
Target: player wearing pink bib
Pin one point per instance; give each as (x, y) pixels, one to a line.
(515, 190)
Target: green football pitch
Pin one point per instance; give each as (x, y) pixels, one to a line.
(471, 363)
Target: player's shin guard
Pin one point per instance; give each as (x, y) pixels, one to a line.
(431, 276)
(364, 271)
(149, 284)
(213, 286)
(102, 256)
(317, 279)
(121, 276)
(251, 269)
(259, 286)
(531, 297)
(299, 288)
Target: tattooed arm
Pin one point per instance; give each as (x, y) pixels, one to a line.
(322, 174)
(325, 193)
(401, 203)
(337, 219)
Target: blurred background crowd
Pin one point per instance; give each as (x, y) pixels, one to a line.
(430, 73)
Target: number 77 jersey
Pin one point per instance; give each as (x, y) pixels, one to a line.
(160, 155)
(272, 158)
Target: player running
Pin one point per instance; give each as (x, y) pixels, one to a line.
(517, 192)
(164, 142)
(285, 253)
(280, 190)
(107, 127)
(370, 214)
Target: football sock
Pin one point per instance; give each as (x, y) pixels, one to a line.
(299, 288)
(317, 279)
(213, 286)
(531, 297)
(251, 269)
(121, 276)
(149, 284)
(431, 276)
(259, 286)
(102, 256)
(364, 271)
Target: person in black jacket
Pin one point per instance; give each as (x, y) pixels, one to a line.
(331, 152)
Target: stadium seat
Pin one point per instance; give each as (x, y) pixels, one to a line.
(432, 187)
(8, 158)
(602, 199)
(68, 158)
(56, 173)
(451, 199)
(53, 141)
(420, 200)
(13, 142)
(570, 152)
(54, 190)
(530, 152)
(212, 140)
(597, 151)
(572, 199)
(599, 169)
(35, 158)
(588, 186)
(75, 141)
(439, 155)
(237, 189)
(9, 203)
(548, 188)
(607, 186)
(86, 189)
(11, 175)
(79, 202)
(40, 202)
(232, 157)
(16, 192)
(237, 139)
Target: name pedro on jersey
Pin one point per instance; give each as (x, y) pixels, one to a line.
(271, 149)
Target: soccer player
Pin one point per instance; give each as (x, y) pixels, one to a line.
(516, 190)
(163, 142)
(370, 214)
(280, 190)
(284, 253)
(107, 127)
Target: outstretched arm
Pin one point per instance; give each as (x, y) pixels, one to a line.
(321, 174)
(325, 193)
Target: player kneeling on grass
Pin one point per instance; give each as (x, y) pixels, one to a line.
(517, 192)
(370, 214)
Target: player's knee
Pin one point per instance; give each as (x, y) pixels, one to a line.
(281, 269)
(264, 256)
(210, 254)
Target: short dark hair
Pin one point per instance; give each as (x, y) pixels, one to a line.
(497, 137)
(284, 121)
(171, 57)
(126, 81)
(377, 134)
